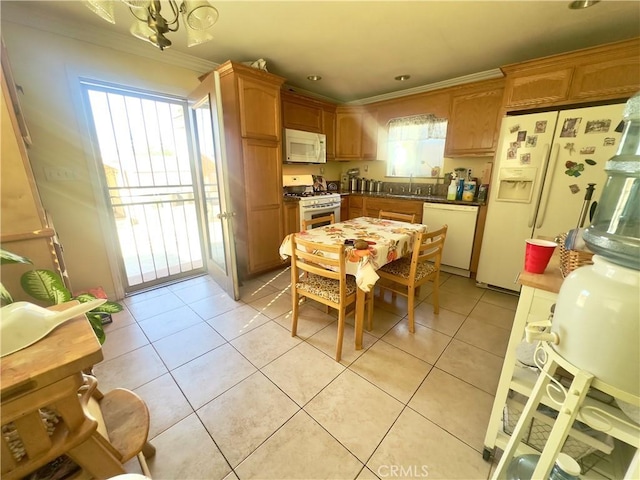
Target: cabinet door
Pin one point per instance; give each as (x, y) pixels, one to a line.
(260, 109)
(608, 79)
(263, 173)
(474, 123)
(291, 217)
(301, 117)
(348, 135)
(329, 129)
(542, 87)
(344, 208)
(369, 135)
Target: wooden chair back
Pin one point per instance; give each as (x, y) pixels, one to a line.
(402, 217)
(428, 248)
(329, 286)
(404, 273)
(316, 258)
(331, 218)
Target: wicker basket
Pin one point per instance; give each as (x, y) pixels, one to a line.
(572, 259)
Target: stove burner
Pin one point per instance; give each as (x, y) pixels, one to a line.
(306, 194)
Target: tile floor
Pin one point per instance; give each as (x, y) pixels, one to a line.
(233, 395)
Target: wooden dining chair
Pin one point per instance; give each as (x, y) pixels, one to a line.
(403, 217)
(407, 274)
(331, 218)
(333, 288)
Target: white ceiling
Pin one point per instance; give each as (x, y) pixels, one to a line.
(358, 47)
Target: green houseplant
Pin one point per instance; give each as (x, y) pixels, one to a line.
(48, 287)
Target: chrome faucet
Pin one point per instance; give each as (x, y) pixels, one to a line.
(410, 182)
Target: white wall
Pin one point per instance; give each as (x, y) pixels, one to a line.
(47, 67)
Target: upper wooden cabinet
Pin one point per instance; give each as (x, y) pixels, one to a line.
(474, 119)
(329, 129)
(311, 115)
(301, 113)
(595, 74)
(253, 129)
(356, 133)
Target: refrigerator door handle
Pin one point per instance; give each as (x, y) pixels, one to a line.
(547, 189)
(534, 209)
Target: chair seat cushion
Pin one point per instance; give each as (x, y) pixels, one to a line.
(326, 287)
(402, 268)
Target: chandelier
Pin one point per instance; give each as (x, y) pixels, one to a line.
(198, 17)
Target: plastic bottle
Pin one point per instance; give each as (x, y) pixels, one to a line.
(615, 231)
(451, 192)
(460, 189)
(522, 468)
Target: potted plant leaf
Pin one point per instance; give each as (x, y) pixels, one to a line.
(48, 287)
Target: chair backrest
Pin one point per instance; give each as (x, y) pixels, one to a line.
(331, 218)
(403, 217)
(428, 247)
(327, 261)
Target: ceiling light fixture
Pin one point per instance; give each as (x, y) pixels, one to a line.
(314, 78)
(149, 25)
(402, 78)
(580, 4)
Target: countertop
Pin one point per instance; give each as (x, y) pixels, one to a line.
(420, 198)
(551, 280)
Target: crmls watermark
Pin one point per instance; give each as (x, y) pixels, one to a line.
(404, 471)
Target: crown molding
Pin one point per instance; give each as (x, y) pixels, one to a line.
(453, 82)
(20, 13)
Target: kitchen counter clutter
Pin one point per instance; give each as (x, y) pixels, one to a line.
(519, 374)
(421, 198)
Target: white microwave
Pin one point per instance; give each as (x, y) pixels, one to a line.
(304, 147)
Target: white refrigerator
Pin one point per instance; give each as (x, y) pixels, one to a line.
(543, 165)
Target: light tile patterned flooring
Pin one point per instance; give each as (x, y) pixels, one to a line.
(233, 395)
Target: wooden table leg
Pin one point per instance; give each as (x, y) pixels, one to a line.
(360, 301)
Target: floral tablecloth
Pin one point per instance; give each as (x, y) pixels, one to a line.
(388, 240)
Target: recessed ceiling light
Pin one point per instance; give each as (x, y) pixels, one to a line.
(402, 78)
(580, 4)
(314, 78)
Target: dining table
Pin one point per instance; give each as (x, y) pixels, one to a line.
(387, 240)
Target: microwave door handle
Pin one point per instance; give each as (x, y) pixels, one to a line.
(318, 144)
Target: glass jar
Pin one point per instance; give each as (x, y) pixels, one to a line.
(615, 230)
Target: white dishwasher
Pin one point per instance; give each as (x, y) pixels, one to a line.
(461, 219)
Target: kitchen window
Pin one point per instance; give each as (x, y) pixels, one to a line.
(416, 146)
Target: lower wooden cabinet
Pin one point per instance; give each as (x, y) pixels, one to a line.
(344, 207)
(291, 217)
(360, 205)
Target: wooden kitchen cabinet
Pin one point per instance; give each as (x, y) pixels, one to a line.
(300, 112)
(356, 206)
(291, 211)
(344, 207)
(356, 133)
(25, 228)
(607, 72)
(253, 129)
(329, 129)
(474, 123)
(362, 205)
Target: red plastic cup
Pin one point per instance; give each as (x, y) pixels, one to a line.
(538, 254)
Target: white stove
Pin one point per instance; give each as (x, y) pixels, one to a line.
(314, 201)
